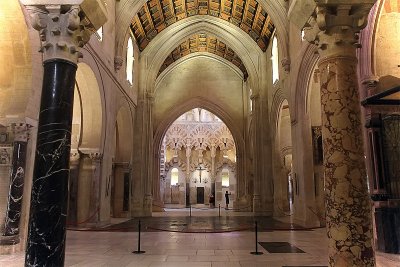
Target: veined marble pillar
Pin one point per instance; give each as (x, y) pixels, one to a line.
(17, 179)
(61, 34)
(348, 208)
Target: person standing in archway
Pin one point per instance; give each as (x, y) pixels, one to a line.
(227, 199)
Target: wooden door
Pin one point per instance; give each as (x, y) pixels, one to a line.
(200, 195)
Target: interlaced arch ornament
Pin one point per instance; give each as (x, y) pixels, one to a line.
(156, 15)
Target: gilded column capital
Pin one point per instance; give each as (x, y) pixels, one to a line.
(334, 28)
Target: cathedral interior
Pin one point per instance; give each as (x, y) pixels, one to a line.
(189, 125)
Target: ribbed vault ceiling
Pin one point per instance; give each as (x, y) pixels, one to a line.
(204, 42)
(156, 15)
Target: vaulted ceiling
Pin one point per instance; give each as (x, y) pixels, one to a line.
(156, 15)
(203, 42)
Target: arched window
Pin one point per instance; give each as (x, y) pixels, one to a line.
(225, 178)
(251, 100)
(174, 176)
(99, 34)
(275, 61)
(129, 61)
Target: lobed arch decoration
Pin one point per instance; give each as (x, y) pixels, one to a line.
(156, 15)
(204, 42)
(198, 102)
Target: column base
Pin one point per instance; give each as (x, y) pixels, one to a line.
(9, 244)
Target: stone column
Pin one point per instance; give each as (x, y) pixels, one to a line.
(334, 29)
(17, 179)
(95, 204)
(213, 155)
(256, 155)
(151, 176)
(88, 192)
(188, 153)
(62, 33)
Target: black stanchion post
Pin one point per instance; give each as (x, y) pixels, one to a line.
(138, 251)
(256, 231)
(190, 210)
(219, 210)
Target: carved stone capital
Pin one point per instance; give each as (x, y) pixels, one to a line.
(21, 132)
(334, 28)
(96, 156)
(66, 26)
(255, 97)
(286, 64)
(60, 30)
(118, 61)
(150, 96)
(74, 157)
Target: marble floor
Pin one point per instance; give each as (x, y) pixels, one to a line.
(177, 249)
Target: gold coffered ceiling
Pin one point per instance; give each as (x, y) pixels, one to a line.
(156, 15)
(203, 42)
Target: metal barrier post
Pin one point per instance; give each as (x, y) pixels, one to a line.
(219, 210)
(256, 252)
(138, 251)
(190, 210)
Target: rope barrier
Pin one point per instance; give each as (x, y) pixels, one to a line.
(86, 220)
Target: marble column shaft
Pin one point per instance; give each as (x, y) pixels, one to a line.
(46, 236)
(60, 31)
(348, 207)
(17, 177)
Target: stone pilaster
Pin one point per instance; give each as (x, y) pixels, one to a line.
(150, 181)
(63, 30)
(17, 180)
(334, 29)
(74, 160)
(95, 198)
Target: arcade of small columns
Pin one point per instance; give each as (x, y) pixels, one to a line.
(191, 144)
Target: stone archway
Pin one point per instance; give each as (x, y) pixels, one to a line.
(86, 154)
(121, 177)
(199, 145)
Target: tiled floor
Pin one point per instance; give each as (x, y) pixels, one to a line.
(173, 249)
